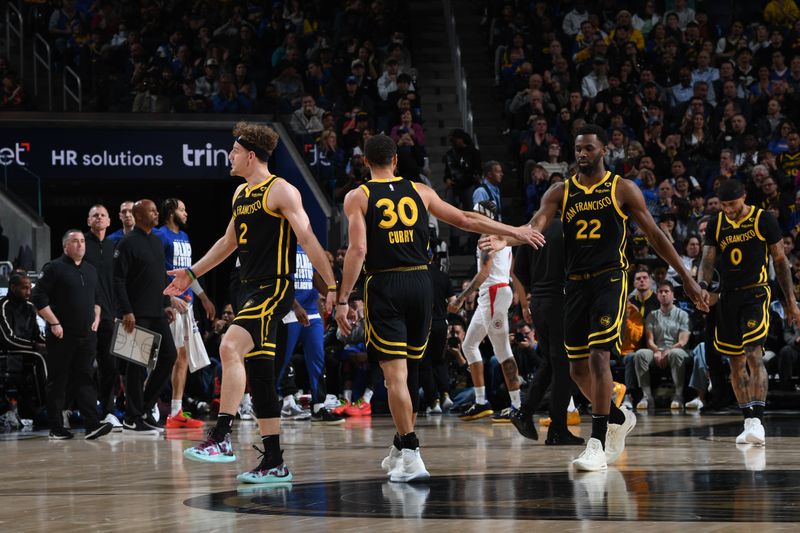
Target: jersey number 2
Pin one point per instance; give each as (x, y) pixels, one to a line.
(242, 239)
(406, 211)
(583, 226)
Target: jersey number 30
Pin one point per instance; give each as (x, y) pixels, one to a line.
(406, 211)
(593, 226)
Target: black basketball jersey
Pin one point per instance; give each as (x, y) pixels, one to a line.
(397, 226)
(595, 230)
(267, 244)
(744, 247)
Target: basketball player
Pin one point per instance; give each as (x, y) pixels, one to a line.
(745, 236)
(388, 232)
(490, 318)
(128, 222)
(178, 254)
(595, 206)
(267, 223)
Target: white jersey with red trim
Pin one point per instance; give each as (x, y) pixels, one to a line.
(500, 271)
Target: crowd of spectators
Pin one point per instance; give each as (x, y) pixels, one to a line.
(690, 96)
(335, 71)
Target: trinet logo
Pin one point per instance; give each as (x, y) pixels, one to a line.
(9, 156)
(204, 157)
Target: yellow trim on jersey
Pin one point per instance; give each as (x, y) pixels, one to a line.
(719, 225)
(578, 356)
(268, 312)
(280, 248)
(259, 352)
(573, 348)
(745, 219)
(364, 188)
(727, 352)
(264, 199)
(755, 225)
(261, 307)
(590, 189)
(288, 240)
(564, 200)
(414, 186)
(392, 180)
(623, 258)
(248, 190)
(617, 208)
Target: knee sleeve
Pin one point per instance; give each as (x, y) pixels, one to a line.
(471, 353)
(412, 366)
(503, 355)
(261, 377)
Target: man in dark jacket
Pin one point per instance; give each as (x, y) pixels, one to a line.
(19, 338)
(66, 298)
(100, 254)
(139, 282)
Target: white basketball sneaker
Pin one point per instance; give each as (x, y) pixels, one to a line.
(756, 436)
(615, 436)
(593, 457)
(409, 468)
(742, 437)
(389, 462)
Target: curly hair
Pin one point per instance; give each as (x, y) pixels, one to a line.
(259, 134)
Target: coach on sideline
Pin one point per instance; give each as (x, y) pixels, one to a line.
(66, 298)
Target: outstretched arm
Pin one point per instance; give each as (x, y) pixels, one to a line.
(550, 205)
(631, 197)
(474, 222)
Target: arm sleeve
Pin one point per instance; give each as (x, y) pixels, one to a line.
(41, 292)
(121, 266)
(769, 228)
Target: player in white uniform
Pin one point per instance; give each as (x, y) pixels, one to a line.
(491, 318)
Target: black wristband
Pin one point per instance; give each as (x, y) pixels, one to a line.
(341, 303)
(703, 285)
(54, 324)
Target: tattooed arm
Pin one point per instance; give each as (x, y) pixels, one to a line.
(480, 277)
(784, 277)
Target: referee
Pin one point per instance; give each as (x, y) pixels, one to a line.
(66, 298)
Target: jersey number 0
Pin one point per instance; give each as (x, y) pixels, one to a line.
(406, 211)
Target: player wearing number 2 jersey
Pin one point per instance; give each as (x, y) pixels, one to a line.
(268, 221)
(388, 233)
(594, 207)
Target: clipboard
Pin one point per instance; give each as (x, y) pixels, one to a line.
(140, 347)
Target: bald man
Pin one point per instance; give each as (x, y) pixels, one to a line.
(139, 280)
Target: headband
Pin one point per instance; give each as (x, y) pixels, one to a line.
(260, 152)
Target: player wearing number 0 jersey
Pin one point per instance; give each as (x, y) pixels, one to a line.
(388, 233)
(595, 206)
(745, 236)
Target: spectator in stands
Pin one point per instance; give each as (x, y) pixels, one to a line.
(462, 169)
(329, 162)
(13, 94)
(208, 84)
(228, 99)
(573, 20)
(597, 80)
(539, 182)
(307, 121)
(288, 87)
(150, 98)
(554, 161)
(410, 156)
(667, 337)
(646, 18)
(412, 128)
(489, 188)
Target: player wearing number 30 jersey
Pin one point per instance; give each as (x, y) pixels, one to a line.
(388, 231)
